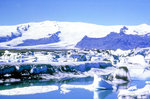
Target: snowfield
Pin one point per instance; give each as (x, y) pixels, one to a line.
(43, 34)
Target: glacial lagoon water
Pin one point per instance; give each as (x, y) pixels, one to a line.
(74, 93)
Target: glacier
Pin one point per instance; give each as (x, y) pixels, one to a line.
(47, 40)
(68, 35)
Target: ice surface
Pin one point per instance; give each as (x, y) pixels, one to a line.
(135, 60)
(133, 92)
(43, 30)
(29, 90)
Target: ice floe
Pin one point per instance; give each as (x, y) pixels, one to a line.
(135, 93)
(29, 90)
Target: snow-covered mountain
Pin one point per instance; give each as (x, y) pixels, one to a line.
(52, 34)
(116, 41)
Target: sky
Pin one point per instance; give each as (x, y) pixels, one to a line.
(101, 12)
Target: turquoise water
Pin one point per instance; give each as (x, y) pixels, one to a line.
(75, 93)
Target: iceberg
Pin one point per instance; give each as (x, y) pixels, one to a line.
(133, 92)
(49, 68)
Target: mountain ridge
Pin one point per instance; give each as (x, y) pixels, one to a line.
(116, 41)
(71, 33)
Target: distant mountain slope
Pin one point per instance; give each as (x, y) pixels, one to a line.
(52, 34)
(47, 40)
(9, 38)
(115, 41)
(13, 34)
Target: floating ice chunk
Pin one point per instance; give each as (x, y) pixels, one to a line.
(11, 80)
(64, 90)
(99, 83)
(132, 88)
(28, 90)
(17, 67)
(1, 81)
(139, 73)
(132, 92)
(7, 75)
(121, 75)
(147, 82)
(66, 87)
(39, 69)
(96, 58)
(120, 52)
(138, 59)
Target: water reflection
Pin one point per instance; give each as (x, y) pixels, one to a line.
(135, 93)
(65, 86)
(41, 86)
(98, 93)
(33, 84)
(102, 94)
(27, 83)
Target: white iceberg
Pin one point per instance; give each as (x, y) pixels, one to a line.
(134, 93)
(29, 90)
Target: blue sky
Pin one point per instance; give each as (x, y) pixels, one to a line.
(104, 12)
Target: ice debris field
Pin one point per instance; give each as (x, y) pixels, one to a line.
(115, 70)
